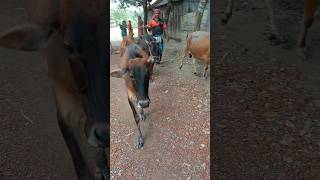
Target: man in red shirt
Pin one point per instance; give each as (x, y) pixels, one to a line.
(157, 27)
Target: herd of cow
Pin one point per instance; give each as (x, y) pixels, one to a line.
(137, 58)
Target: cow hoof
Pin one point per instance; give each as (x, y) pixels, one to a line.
(302, 52)
(180, 67)
(196, 74)
(140, 142)
(224, 19)
(101, 176)
(275, 40)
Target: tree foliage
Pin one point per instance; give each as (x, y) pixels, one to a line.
(118, 15)
(127, 3)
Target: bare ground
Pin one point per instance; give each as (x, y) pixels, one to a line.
(265, 98)
(176, 130)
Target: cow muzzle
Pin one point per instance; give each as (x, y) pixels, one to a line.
(143, 103)
(156, 59)
(98, 135)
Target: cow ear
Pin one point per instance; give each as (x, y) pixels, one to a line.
(119, 73)
(26, 37)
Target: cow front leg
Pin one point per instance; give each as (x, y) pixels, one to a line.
(134, 108)
(141, 114)
(194, 66)
(228, 13)
(205, 76)
(183, 56)
(308, 16)
(274, 35)
(150, 71)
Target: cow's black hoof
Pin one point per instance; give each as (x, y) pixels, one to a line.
(140, 142)
(180, 67)
(303, 53)
(275, 40)
(224, 19)
(197, 74)
(101, 176)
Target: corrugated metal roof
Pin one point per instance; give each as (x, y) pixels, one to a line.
(163, 2)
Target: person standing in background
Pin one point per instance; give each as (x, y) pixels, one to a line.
(140, 26)
(123, 28)
(158, 28)
(130, 28)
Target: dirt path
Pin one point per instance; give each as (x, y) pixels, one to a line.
(31, 146)
(265, 98)
(176, 131)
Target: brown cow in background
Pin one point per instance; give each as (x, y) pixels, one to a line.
(198, 48)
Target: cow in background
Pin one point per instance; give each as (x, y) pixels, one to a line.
(198, 48)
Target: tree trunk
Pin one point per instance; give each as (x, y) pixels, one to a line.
(166, 18)
(167, 12)
(199, 14)
(145, 18)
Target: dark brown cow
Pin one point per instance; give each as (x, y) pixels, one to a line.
(149, 45)
(73, 33)
(309, 13)
(198, 47)
(134, 70)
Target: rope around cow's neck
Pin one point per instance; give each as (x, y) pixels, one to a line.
(147, 42)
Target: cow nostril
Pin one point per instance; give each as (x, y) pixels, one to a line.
(144, 103)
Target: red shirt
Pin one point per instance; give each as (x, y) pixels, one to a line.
(153, 23)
